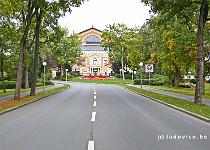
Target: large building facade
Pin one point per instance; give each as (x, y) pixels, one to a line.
(94, 59)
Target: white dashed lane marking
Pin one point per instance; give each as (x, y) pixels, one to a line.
(94, 103)
(93, 118)
(91, 145)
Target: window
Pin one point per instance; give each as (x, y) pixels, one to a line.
(92, 39)
(105, 62)
(95, 61)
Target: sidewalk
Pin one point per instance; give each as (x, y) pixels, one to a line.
(5, 98)
(172, 94)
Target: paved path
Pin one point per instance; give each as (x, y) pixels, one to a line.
(172, 94)
(5, 98)
(100, 117)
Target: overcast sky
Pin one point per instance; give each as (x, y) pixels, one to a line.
(100, 13)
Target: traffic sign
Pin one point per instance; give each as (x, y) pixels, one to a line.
(149, 68)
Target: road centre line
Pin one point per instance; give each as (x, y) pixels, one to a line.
(91, 145)
(94, 92)
(94, 103)
(94, 97)
(93, 118)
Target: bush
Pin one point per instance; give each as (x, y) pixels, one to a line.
(8, 85)
(127, 76)
(184, 85)
(146, 82)
(63, 78)
(155, 80)
(193, 81)
(209, 81)
(137, 81)
(117, 75)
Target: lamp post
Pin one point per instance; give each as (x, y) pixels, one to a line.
(141, 64)
(44, 64)
(66, 73)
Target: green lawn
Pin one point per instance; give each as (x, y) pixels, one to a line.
(187, 91)
(12, 91)
(200, 109)
(103, 81)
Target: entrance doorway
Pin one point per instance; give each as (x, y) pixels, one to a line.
(95, 71)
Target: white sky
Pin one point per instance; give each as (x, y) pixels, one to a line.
(100, 13)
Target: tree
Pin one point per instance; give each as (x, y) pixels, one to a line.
(185, 10)
(23, 45)
(67, 51)
(114, 37)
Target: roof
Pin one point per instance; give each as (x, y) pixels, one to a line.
(92, 28)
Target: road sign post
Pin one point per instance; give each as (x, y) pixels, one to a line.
(149, 68)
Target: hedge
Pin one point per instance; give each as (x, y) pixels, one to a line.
(8, 84)
(146, 82)
(127, 76)
(12, 84)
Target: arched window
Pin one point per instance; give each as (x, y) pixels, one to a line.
(92, 39)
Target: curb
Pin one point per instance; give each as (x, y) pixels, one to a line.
(172, 106)
(17, 107)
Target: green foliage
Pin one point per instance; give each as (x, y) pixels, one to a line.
(8, 85)
(155, 80)
(127, 76)
(69, 77)
(67, 50)
(193, 81)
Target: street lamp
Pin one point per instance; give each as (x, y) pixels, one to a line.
(120, 73)
(66, 73)
(141, 65)
(44, 64)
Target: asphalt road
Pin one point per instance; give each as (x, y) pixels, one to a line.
(107, 118)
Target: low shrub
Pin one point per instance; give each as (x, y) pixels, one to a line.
(8, 85)
(184, 85)
(193, 81)
(127, 76)
(146, 82)
(157, 80)
(12, 84)
(117, 76)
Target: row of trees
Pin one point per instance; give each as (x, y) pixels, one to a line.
(29, 28)
(175, 39)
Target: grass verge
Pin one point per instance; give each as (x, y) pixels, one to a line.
(103, 81)
(187, 91)
(200, 109)
(14, 104)
(12, 91)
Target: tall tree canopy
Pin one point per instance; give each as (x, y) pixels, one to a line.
(186, 11)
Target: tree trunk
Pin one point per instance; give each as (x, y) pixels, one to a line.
(62, 71)
(2, 71)
(123, 74)
(38, 14)
(177, 77)
(23, 49)
(122, 65)
(200, 60)
(25, 83)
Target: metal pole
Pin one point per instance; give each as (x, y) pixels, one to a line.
(149, 78)
(44, 78)
(66, 75)
(132, 75)
(141, 78)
